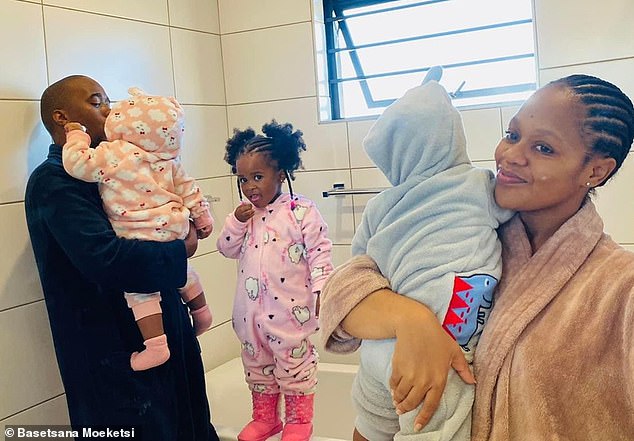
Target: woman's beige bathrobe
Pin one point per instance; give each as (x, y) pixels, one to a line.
(556, 359)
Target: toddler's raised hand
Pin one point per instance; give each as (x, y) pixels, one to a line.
(244, 212)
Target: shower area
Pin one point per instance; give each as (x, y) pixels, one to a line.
(234, 63)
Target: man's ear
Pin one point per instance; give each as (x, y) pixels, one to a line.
(601, 169)
(60, 118)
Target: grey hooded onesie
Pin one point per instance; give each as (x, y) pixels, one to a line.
(433, 236)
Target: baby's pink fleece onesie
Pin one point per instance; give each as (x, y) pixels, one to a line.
(145, 190)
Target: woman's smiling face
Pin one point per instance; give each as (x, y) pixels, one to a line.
(543, 163)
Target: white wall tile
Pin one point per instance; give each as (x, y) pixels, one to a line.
(618, 72)
(240, 15)
(366, 178)
(337, 210)
(274, 63)
(29, 370)
(629, 247)
(154, 11)
(615, 204)
(219, 345)
(204, 144)
(117, 53)
(570, 32)
(326, 144)
(23, 73)
(483, 129)
(357, 130)
(218, 277)
(340, 254)
(23, 143)
(321, 65)
(52, 412)
(19, 280)
(220, 197)
(201, 15)
(198, 67)
(507, 114)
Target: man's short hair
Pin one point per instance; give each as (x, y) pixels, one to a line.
(56, 96)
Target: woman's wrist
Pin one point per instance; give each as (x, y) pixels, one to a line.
(383, 314)
(411, 315)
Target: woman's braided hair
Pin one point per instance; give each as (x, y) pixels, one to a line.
(609, 120)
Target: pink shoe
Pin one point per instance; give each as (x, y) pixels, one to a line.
(155, 354)
(266, 421)
(299, 417)
(202, 319)
(297, 432)
(259, 431)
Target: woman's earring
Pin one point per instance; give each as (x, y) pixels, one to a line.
(587, 184)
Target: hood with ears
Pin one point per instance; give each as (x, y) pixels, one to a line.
(153, 123)
(418, 135)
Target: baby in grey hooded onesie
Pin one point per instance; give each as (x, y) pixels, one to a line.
(433, 236)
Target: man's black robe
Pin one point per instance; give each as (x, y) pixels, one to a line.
(84, 269)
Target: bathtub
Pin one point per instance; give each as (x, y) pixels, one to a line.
(230, 401)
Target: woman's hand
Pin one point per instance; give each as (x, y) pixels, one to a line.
(423, 355)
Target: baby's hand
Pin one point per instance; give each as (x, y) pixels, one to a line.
(244, 212)
(73, 126)
(204, 231)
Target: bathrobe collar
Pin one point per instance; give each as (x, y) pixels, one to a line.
(528, 284)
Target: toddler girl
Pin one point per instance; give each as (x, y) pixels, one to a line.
(147, 196)
(281, 242)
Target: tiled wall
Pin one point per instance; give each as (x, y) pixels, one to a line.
(232, 63)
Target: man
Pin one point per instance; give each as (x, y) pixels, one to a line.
(84, 270)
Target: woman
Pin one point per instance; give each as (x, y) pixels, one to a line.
(555, 359)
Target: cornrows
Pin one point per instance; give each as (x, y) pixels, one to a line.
(609, 116)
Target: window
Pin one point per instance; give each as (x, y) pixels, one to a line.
(377, 49)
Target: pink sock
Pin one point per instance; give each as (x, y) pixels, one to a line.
(155, 354)
(202, 319)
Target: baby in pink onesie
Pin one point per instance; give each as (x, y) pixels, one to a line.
(281, 242)
(147, 196)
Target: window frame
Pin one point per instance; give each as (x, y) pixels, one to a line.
(337, 7)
